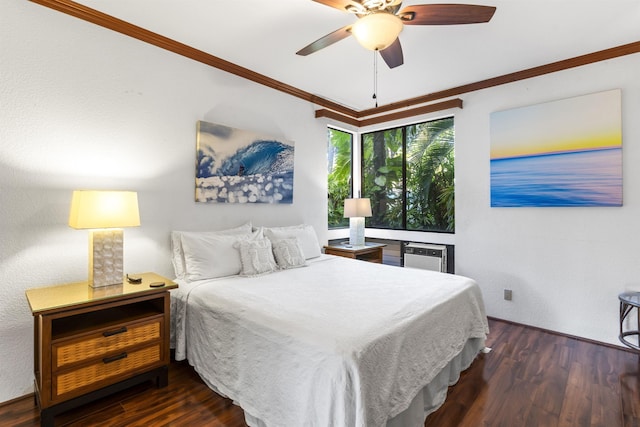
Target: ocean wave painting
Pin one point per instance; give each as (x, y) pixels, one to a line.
(238, 166)
(561, 153)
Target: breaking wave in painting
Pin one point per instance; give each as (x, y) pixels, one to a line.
(261, 172)
(584, 178)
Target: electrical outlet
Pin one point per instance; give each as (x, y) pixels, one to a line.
(508, 294)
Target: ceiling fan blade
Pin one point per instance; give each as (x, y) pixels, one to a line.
(392, 55)
(446, 14)
(325, 41)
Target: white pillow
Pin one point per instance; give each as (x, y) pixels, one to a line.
(209, 255)
(305, 234)
(256, 257)
(288, 254)
(177, 254)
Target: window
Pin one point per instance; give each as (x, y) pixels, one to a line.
(339, 160)
(408, 173)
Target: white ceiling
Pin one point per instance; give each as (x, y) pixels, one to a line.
(264, 35)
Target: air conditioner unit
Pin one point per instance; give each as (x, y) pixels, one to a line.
(426, 256)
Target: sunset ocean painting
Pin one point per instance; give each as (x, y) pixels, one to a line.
(561, 153)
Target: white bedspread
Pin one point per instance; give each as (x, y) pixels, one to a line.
(336, 343)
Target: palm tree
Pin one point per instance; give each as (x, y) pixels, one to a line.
(382, 177)
(430, 176)
(417, 185)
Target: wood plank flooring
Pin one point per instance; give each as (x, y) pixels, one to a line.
(536, 378)
(530, 378)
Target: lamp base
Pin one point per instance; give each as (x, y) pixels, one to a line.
(356, 231)
(105, 257)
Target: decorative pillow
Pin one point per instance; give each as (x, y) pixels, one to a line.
(209, 256)
(177, 253)
(256, 257)
(288, 253)
(305, 234)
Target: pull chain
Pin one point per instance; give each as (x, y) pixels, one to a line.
(375, 77)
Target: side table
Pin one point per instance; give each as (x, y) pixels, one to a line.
(371, 252)
(628, 302)
(91, 342)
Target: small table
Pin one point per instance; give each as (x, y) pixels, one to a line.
(91, 342)
(629, 301)
(371, 252)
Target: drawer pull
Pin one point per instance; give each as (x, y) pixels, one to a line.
(115, 332)
(114, 358)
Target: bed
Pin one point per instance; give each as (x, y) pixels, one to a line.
(329, 341)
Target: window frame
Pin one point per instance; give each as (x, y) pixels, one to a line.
(404, 174)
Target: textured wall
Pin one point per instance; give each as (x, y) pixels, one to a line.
(83, 107)
(566, 266)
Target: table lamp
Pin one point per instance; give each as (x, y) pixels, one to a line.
(356, 210)
(104, 213)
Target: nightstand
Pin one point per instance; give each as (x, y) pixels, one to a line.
(91, 342)
(371, 252)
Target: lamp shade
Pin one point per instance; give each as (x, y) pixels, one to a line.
(360, 207)
(377, 31)
(104, 209)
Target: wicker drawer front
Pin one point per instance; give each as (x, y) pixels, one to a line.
(104, 369)
(99, 344)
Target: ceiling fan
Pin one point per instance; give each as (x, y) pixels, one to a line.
(381, 21)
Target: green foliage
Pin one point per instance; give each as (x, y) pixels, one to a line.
(430, 177)
(382, 177)
(339, 176)
(429, 181)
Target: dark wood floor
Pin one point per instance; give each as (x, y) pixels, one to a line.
(530, 378)
(534, 378)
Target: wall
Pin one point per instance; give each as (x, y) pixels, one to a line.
(84, 107)
(565, 266)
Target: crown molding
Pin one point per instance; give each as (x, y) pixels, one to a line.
(331, 109)
(440, 106)
(123, 27)
(552, 67)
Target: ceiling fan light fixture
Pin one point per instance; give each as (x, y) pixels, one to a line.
(377, 31)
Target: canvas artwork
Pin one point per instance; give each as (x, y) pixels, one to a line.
(560, 153)
(239, 166)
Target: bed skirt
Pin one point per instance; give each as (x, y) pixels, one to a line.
(430, 398)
